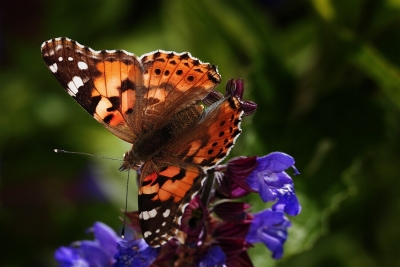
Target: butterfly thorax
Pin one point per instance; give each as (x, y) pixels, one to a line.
(151, 145)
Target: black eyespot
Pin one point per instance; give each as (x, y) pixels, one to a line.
(157, 71)
(179, 72)
(166, 73)
(190, 78)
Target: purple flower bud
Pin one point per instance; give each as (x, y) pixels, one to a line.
(248, 107)
(235, 88)
(230, 87)
(239, 88)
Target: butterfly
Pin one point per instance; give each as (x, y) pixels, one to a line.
(155, 103)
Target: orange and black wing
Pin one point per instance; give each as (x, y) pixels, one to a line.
(209, 141)
(164, 193)
(173, 82)
(105, 83)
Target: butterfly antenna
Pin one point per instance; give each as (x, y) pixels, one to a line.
(126, 207)
(59, 151)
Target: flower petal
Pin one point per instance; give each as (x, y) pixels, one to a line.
(287, 200)
(67, 257)
(106, 237)
(135, 253)
(214, 257)
(275, 162)
(93, 253)
(273, 244)
(277, 180)
(270, 228)
(265, 191)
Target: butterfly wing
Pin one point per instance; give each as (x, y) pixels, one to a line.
(173, 82)
(165, 191)
(210, 141)
(167, 185)
(104, 83)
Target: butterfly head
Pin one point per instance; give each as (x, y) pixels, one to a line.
(130, 162)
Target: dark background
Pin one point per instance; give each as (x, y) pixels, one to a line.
(326, 77)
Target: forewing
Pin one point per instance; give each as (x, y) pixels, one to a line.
(104, 83)
(174, 82)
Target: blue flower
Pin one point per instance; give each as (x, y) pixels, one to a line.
(214, 257)
(67, 257)
(99, 252)
(270, 228)
(271, 181)
(135, 253)
(287, 200)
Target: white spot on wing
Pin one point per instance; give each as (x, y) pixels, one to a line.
(53, 68)
(164, 223)
(166, 213)
(157, 231)
(74, 85)
(60, 59)
(70, 59)
(153, 213)
(147, 233)
(82, 65)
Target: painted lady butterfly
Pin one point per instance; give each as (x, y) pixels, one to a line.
(153, 102)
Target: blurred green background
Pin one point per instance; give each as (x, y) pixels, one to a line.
(326, 77)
